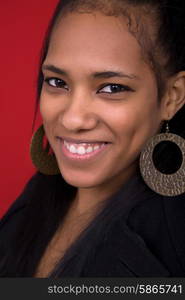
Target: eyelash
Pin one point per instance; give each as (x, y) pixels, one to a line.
(123, 88)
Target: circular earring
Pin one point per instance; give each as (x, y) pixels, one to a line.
(163, 184)
(44, 162)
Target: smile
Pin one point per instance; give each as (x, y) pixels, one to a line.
(82, 151)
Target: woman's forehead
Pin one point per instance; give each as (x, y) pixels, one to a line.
(101, 34)
(83, 36)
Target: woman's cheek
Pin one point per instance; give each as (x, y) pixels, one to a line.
(47, 109)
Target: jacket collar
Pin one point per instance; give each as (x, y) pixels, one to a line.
(138, 258)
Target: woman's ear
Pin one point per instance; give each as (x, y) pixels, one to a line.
(174, 98)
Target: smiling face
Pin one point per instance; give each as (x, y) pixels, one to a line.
(98, 101)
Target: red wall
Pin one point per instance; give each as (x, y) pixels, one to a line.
(22, 27)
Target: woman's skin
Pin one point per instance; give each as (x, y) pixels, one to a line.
(98, 88)
(104, 91)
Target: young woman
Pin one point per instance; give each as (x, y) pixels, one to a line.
(110, 200)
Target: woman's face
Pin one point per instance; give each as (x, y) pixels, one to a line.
(99, 100)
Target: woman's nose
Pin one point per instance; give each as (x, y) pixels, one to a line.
(78, 115)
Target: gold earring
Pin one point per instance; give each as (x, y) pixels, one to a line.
(163, 184)
(44, 162)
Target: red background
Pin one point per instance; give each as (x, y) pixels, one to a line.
(22, 27)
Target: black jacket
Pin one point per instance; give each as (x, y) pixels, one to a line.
(148, 241)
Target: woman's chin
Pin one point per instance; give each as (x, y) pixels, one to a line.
(81, 182)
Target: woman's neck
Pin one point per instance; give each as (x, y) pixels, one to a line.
(88, 199)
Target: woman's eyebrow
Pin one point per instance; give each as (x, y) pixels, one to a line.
(103, 74)
(54, 69)
(110, 74)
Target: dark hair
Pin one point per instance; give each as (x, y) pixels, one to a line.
(165, 51)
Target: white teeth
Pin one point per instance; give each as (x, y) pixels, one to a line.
(89, 149)
(72, 149)
(81, 149)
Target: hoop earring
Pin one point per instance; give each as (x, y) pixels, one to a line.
(44, 162)
(163, 184)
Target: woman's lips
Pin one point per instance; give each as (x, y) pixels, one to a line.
(82, 151)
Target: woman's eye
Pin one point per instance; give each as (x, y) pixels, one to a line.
(56, 83)
(114, 88)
